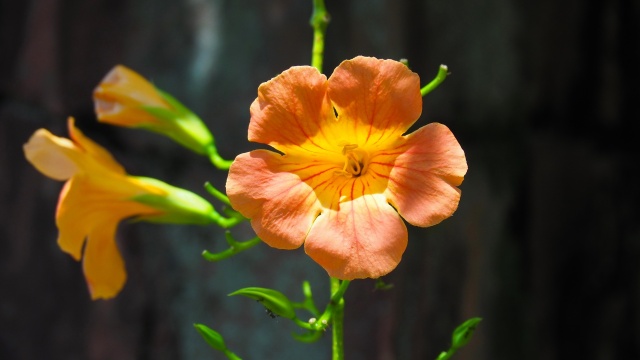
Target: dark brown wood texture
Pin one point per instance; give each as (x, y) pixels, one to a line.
(545, 245)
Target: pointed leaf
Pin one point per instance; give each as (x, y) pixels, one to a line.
(462, 334)
(212, 337)
(273, 300)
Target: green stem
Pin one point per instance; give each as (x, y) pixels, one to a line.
(338, 288)
(217, 160)
(231, 356)
(225, 222)
(217, 193)
(234, 248)
(445, 355)
(319, 21)
(442, 74)
(304, 325)
(308, 302)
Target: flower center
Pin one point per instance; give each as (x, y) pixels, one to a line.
(355, 163)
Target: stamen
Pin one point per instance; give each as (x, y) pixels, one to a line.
(348, 148)
(352, 165)
(355, 161)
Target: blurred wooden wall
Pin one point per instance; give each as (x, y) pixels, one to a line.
(545, 245)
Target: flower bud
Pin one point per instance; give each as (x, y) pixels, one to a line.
(125, 98)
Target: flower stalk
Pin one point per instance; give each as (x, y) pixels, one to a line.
(217, 193)
(319, 22)
(216, 159)
(443, 71)
(338, 288)
(234, 248)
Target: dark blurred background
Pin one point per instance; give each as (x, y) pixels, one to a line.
(545, 246)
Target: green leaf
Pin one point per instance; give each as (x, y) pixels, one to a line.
(213, 338)
(462, 334)
(273, 300)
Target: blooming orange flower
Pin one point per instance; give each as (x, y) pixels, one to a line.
(125, 98)
(99, 194)
(345, 170)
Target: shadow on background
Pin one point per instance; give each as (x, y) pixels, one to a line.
(544, 246)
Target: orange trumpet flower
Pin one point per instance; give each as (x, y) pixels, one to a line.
(344, 172)
(97, 195)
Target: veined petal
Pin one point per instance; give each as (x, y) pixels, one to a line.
(424, 178)
(279, 203)
(84, 203)
(379, 98)
(291, 109)
(365, 238)
(103, 265)
(93, 150)
(53, 156)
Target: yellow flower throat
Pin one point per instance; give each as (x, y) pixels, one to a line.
(355, 161)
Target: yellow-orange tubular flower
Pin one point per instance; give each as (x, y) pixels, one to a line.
(125, 98)
(345, 170)
(97, 195)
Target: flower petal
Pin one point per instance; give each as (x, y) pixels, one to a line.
(120, 95)
(380, 96)
(129, 87)
(53, 156)
(279, 203)
(103, 265)
(424, 178)
(71, 220)
(93, 151)
(290, 110)
(365, 238)
(89, 199)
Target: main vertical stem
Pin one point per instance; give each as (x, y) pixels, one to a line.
(319, 21)
(337, 322)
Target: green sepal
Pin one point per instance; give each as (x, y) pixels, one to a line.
(177, 206)
(173, 102)
(273, 300)
(186, 129)
(191, 123)
(212, 337)
(181, 124)
(462, 334)
(159, 112)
